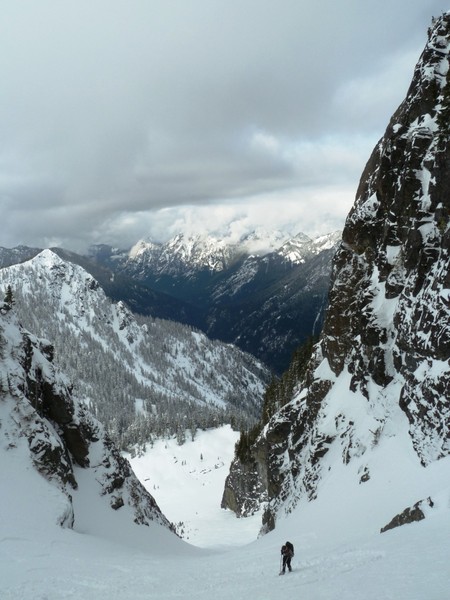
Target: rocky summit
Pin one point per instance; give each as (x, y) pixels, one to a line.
(380, 372)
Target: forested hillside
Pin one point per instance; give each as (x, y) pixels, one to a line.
(142, 378)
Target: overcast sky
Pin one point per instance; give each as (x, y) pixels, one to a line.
(130, 119)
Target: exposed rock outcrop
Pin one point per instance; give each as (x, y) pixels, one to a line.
(409, 515)
(62, 436)
(385, 344)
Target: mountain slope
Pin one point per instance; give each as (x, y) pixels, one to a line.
(374, 405)
(139, 298)
(40, 561)
(142, 378)
(45, 431)
(275, 309)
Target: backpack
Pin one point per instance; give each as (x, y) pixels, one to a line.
(290, 547)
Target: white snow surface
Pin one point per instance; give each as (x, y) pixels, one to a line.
(339, 554)
(199, 469)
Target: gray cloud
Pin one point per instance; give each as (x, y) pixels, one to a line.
(114, 114)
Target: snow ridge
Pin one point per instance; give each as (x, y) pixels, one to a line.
(187, 255)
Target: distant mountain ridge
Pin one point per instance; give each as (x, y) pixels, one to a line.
(186, 256)
(264, 294)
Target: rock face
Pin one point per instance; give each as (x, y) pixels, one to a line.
(395, 252)
(62, 437)
(385, 344)
(409, 515)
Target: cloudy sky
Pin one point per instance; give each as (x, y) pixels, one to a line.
(129, 119)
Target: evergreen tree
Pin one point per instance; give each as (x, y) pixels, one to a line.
(9, 298)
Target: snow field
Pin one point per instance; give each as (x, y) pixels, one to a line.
(187, 482)
(106, 558)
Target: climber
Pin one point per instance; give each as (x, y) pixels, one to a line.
(287, 553)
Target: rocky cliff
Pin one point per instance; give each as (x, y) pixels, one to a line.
(380, 371)
(39, 419)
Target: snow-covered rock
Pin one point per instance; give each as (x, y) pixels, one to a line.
(182, 255)
(43, 428)
(299, 248)
(374, 402)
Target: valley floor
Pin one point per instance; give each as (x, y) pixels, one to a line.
(187, 482)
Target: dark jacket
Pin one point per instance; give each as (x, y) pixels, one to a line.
(287, 550)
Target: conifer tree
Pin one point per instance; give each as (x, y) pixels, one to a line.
(9, 298)
(278, 393)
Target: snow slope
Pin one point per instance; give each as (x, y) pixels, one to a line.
(197, 468)
(337, 557)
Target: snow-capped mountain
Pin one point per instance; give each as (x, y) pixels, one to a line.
(373, 407)
(265, 293)
(182, 256)
(142, 378)
(45, 430)
(249, 293)
(187, 256)
(300, 248)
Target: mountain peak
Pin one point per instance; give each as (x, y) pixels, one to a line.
(185, 254)
(141, 247)
(301, 247)
(48, 258)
